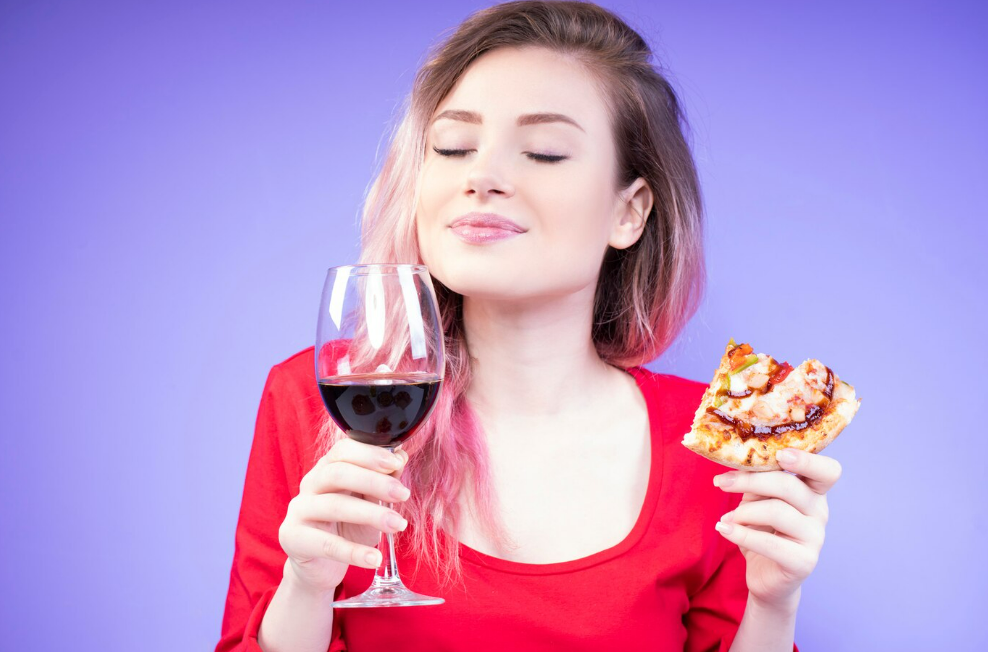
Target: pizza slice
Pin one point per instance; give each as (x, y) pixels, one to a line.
(756, 407)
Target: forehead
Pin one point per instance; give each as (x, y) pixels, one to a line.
(508, 82)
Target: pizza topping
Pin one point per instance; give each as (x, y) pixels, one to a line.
(736, 387)
(740, 355)
(786, 409)
(746, 430)
(737, 383)
(763, 411)
(780, 373)
(747, 362)
(757, 381)
(753, 380)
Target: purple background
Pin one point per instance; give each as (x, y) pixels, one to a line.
(175, 178)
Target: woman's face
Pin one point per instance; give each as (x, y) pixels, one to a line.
(523, 135)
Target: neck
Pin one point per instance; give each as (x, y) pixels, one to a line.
(534, 359)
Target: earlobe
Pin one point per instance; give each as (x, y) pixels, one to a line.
(634, 206)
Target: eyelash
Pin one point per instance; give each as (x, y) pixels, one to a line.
(542, 158)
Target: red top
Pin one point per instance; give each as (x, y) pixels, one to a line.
(674, 583)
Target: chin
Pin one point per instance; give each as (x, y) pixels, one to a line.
(506, 273)
(484, 279)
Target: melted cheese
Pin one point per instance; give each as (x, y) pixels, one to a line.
(773, 408)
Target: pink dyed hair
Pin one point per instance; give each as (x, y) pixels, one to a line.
(645, 293)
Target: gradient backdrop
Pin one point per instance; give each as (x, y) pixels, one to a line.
(176, 176)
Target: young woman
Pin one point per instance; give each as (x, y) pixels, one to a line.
(542, 174)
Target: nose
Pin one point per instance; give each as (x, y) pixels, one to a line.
(487, 176)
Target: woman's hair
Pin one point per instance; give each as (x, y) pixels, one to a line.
(645, 293)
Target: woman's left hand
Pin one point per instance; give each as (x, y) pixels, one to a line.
(780, 523)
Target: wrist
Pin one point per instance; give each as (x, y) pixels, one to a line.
(293, 584)
(786, 607)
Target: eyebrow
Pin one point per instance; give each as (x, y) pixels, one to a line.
(523, 120)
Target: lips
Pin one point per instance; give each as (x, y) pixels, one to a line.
(481, 228)
(488, 221)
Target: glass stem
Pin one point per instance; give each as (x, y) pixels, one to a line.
(387, 572)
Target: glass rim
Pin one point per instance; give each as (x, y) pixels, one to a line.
(385, 269)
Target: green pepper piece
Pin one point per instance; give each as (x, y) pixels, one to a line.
(750, 360)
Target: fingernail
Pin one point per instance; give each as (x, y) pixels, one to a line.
(400, 492)
(373, 558)
(786, 456)
(726, 518)
(396, 522)
(724, 528)
(724, 480)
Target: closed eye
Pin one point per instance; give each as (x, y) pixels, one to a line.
(542, 158)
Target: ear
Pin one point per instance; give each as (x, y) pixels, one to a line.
(634, 203)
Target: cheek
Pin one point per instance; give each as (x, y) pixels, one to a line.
(576, 222)
(426, 221)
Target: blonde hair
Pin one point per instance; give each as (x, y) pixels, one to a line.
(645, 293)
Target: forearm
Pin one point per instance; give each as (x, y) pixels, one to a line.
(296, 620)
(766, 629)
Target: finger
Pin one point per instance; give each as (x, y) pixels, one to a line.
(794, 558)
(307, 543)
(779, 516)
(747, 498)
(819, 472)
(400, 452)
(337, 477)
(370, 457)
(772, 484)
(341, 508)
(750, 498)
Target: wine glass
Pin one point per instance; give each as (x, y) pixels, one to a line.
(379, 365)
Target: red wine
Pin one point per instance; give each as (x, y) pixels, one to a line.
(379, 413)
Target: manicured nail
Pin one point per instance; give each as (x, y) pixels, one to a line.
(786, 457)
(724, 528)
(373, 558)
(396, 522)
(400, 492)
(724, 480)
(726, 518)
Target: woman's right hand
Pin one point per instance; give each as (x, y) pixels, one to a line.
(335, 520)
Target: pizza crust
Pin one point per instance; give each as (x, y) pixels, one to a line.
(719, 442)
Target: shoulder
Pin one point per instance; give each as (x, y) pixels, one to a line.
(298, 364)
(291, 395)
(676, 385)
(293, 376)
(673, 401)
(677, 397)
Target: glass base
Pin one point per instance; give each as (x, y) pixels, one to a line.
(382, 594)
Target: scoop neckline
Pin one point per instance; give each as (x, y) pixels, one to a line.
(652, 490)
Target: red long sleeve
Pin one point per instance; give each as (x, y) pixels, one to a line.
(272, 479)
(672, 584)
